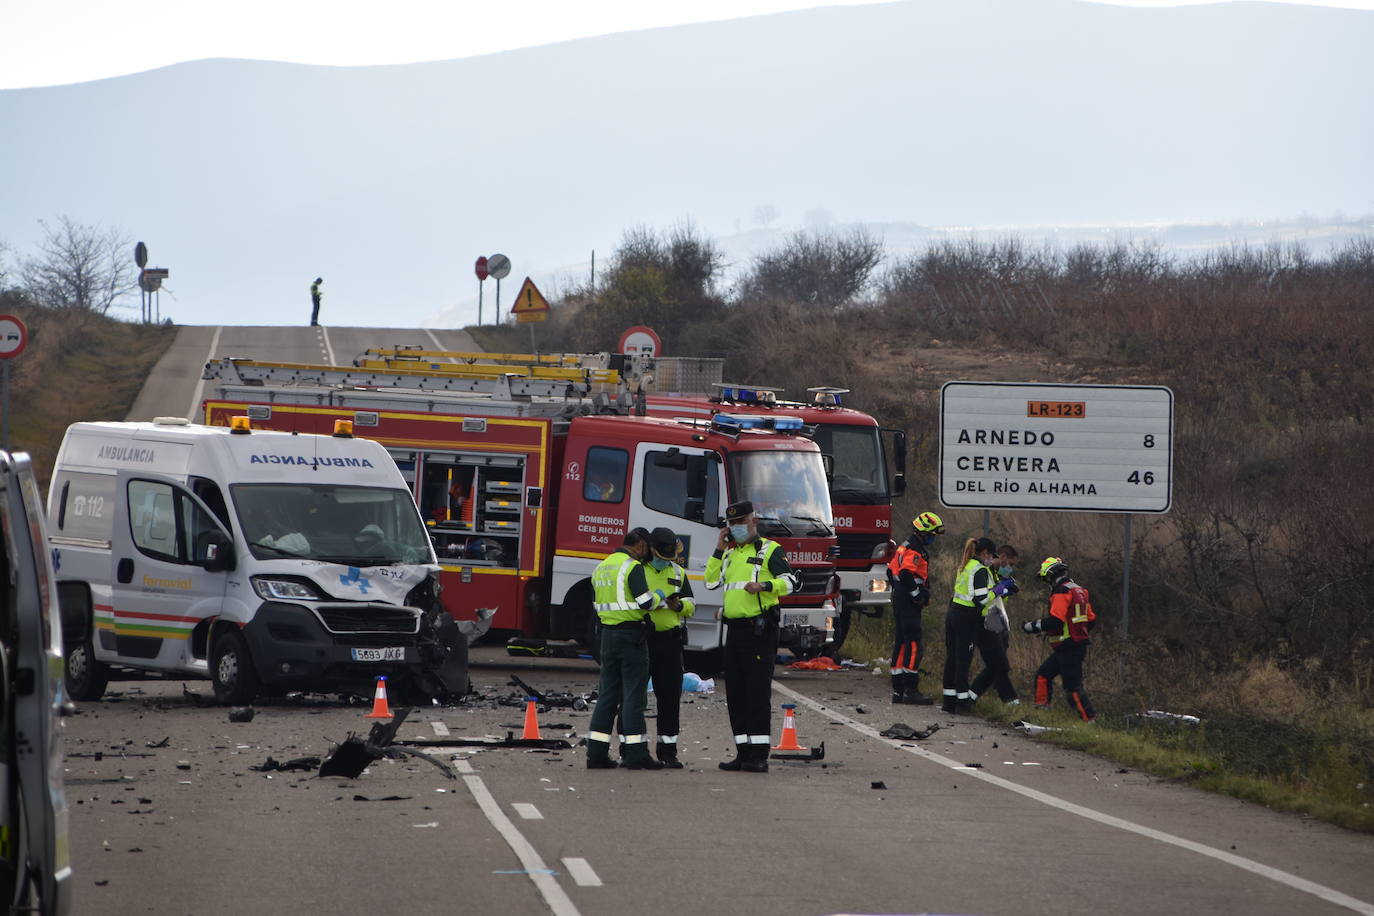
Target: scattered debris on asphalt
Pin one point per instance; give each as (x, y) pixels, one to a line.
(877, 785)
(903, 732)
(296, 763)
(565, 699)
(165, 742)
(1031, 728)
(241, 714)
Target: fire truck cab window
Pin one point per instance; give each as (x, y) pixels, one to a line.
(680, 488)
(605, 480)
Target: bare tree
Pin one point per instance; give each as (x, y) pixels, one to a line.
(815, 269)
(79, 267)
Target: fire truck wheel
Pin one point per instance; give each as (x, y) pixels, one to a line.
(231, 669)
(86, 678)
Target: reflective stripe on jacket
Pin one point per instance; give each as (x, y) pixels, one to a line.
(761, 561)
(622, 591)
(909, 560)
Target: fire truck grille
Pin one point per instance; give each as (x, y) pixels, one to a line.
(815, 581)
(859, 546)
(369, 618)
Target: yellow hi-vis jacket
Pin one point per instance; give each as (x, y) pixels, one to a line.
(762, 561)
(973, 586)
(622, 591)
(670, 580)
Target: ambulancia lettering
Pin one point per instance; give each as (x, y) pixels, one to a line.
(127, 453)
(323, 462)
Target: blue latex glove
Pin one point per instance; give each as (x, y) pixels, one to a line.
(1005, 588)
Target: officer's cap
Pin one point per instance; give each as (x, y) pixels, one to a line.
(664, 542)
(737, 511)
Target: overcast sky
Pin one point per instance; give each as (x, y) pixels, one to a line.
(49, 42)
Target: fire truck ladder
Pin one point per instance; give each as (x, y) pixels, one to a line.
(621, 371)
(500, 382)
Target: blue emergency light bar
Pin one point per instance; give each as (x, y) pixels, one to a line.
(734, 422)
(741, 394)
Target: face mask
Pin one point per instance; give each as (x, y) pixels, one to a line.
(1004, 570)
(739, 533)
(930, 539)
(659, 563)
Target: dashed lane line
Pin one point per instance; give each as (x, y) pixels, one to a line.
(326, 346)
(440, 729)
(1330, 895)
(527, 811)
(557, 899)
(581, 872)
(200, 385)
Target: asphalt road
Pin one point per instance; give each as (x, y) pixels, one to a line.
(173, 388)
(879, 826)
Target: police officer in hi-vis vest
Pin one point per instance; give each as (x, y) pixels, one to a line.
(667, 637)
(755, 573)
(623, 601)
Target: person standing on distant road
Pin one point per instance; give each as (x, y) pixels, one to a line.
(667, 637)
(972, 591)
(756, 574)
(908, 575)
(623, 601)
(315, 301)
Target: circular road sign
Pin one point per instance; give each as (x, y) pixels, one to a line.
(141, 254)
(481, 268)
(498, 265)
(640, 341)
(14, 336)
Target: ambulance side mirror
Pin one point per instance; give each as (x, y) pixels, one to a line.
(216, 552)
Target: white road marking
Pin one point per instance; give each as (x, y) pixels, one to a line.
(437, 345)
(1330, 895)
(440, 729)
(200, 385)
(581, 872)
(326, 347)
(527, 811)
(557, 899)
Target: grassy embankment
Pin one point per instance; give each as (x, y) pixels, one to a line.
(78, 366)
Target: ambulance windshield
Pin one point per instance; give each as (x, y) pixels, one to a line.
(788, 491)
(352, 526)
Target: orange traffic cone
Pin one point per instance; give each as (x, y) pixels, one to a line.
(789, 730)
(531, 721)
(380, 708)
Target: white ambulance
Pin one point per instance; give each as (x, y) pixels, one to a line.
(266, 561)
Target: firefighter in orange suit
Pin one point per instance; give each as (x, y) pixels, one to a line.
(908, 574)
(1070, 619)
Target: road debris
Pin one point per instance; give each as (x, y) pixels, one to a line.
(296, 763)
(241, 714)
(1031, 728)
(903, 732)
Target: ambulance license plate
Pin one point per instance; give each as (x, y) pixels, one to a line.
(795, 620)
(389, 654)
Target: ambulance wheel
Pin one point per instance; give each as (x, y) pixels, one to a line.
(86, 678)
(231, 669)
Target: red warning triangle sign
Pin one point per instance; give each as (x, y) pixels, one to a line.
(530, 304)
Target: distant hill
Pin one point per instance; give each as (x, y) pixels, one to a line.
(248, 179)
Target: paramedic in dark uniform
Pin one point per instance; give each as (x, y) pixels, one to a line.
(755, 575)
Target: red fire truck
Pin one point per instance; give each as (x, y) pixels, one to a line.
(526, 483)
(869, 472)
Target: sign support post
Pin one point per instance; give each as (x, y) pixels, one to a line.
(498, 266)
(14, 337)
